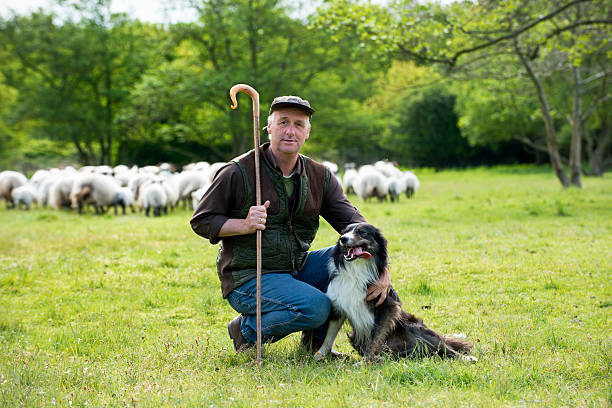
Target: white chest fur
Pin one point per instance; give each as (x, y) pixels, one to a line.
(347, 293)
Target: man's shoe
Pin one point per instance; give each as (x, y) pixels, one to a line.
(233, 328)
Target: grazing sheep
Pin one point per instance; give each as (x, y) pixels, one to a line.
(169, 185)
(350, 175)
(153, 195)
(371, 183)
(98, 190)
(412, 183)
(333, 167)
(397, 186)
(189, 181)
(125, 198)
(58, 195)
(10, 180)
(197, 195)
(387, 168)
(214, 169)
(39, 176)
(26, 195)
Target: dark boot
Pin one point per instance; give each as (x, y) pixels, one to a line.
(233, 328)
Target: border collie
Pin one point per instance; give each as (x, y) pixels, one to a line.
(358, 259)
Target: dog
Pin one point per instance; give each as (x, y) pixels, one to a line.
(357, 260)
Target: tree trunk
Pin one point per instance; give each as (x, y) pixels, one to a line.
(551, 136)
(596, 152)
(575, 155)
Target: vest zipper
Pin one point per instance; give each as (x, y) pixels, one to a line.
(291, 243)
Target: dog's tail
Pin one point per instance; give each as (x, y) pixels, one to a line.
(459, 344)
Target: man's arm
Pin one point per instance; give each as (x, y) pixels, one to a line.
(255, 220)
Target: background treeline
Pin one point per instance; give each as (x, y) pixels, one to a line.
(461, 84)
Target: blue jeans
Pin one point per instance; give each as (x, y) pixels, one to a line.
(288, 303)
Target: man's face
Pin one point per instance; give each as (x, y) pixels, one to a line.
(288, 131)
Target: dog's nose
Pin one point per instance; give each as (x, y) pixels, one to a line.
(343, 240)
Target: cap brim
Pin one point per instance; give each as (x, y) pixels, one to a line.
(280, 105)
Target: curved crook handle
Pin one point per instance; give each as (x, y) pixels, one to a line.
(247, 89)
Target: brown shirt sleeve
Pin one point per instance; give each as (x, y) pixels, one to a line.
(226, 193)
(337, 209)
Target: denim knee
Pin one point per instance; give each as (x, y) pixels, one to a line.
(318, 310)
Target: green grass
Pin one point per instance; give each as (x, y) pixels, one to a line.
(127, 311)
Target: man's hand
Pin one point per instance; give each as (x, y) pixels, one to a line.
(380, 288)
(256, 218)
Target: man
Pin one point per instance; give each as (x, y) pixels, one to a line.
(296, 190)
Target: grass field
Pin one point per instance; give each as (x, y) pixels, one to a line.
(127, 311)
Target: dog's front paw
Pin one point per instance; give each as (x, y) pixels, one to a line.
(319, 356)
(469, 359)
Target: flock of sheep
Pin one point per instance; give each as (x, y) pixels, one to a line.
(159, 188)
(381, 180)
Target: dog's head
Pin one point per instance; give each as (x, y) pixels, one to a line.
(362, 241)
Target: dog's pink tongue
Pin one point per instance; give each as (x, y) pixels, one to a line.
(359, 252)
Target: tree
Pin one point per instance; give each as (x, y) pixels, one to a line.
(72, 76)
(521, 30)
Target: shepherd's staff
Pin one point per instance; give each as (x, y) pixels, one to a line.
(255, 97)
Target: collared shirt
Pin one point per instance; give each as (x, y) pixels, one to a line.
(227, 193)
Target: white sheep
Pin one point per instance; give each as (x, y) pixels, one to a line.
(59, 192)
(10, 180)
(387, 168)
(412, 183)
(350, 175)
(153, 195)
(197, 195)
(98, 190)
(125, 198)
(189, 181)
(397, 186)
(371, 183)
(26, 195)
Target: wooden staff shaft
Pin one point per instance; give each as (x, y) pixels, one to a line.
(255, 98)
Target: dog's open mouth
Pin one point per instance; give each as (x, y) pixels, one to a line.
(353, 253)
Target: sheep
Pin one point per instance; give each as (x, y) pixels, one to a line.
(125, 198)
(59, 192)
(350, 175)
(412, 183)
(25, 194)
(169, 185)
(397, 186)
(214, 169)
(104, 170)
(96, 189)
(39, 176)
(197, 195)
(387, 168)
(189, 181)
(153, 195)
(9, 180)
(371, 183)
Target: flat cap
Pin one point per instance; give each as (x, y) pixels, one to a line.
(291, 101)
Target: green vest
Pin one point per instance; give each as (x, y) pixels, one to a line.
(287, 237)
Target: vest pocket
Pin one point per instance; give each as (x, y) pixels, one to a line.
(245, 253)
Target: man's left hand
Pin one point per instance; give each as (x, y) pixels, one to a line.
(380, 288)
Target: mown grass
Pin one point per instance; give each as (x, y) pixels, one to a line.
(127, 311)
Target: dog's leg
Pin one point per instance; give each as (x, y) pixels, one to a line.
(328, 343)
(385, 320)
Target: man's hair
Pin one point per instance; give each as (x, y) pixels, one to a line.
(271, 119)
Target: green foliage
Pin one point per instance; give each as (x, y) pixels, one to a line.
(124, 311)
(429, 128)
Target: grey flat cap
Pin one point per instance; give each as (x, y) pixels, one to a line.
(291, 101)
